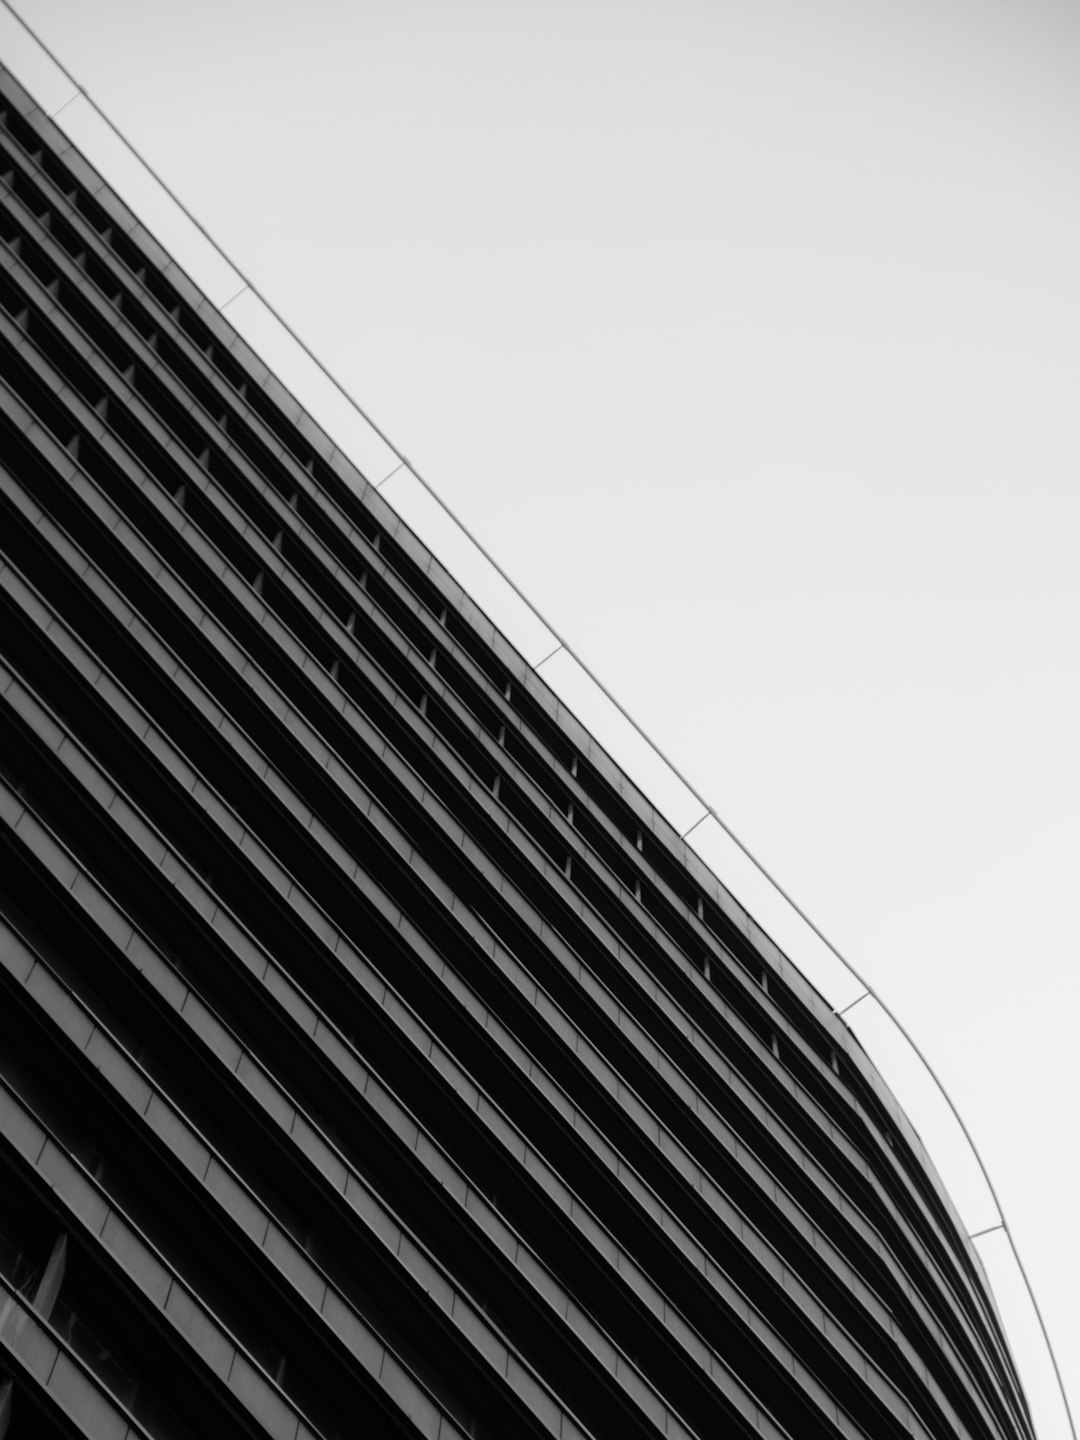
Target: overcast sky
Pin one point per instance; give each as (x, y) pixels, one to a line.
(745, 334)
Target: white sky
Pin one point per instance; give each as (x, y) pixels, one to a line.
(745, 335)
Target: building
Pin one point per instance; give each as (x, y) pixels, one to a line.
(374, 1058)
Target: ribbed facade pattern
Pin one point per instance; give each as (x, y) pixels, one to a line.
(374, 1060)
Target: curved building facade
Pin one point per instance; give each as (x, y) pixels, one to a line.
(374, 1058)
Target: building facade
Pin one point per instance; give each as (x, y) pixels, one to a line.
(374, 1058)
